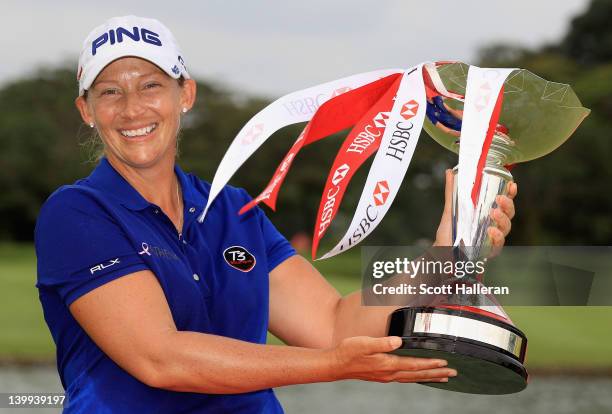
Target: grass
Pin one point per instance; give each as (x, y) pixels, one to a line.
(559, 337)
(23, 332)
(566, 336)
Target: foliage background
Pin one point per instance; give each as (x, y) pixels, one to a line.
(564, 198)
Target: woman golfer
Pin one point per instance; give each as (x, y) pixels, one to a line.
(153, 312)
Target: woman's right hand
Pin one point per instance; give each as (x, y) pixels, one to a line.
(367, 358)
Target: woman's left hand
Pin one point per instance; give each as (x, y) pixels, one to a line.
(502, 215)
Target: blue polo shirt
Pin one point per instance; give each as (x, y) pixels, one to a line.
(437, 112)
(215, 277)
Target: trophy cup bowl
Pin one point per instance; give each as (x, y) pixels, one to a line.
(540, 115)
(481, 342)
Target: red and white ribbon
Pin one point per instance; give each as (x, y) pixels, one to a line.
(363, 140)
(434, 84)
(481, 110)
(334, 115)
(290, 109)
(386, 109)
(392, 159)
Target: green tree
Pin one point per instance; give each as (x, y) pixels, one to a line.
(563, 197)
(566, 197)
(589, 40)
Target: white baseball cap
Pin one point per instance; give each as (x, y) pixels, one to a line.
(129, 36)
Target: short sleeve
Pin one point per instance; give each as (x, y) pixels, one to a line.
(80, 246)
(278, 249)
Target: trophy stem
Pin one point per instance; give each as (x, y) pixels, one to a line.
(495, 179)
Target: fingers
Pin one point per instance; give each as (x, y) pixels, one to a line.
(426, 376)
(502, 221)
(512, 190)
(384, 344)
(430, 375)
(506, 205)
(392, 362)
(448, 191)
(368, 358)
(405, 363)
(497, 237)
(502, 216)
(400, 363)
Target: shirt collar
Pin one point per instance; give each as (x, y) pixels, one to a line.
(105, 177)
(192, 198)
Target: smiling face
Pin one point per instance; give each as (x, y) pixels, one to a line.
(136, 108)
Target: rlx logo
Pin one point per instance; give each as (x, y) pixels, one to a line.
(103, 266)
(117, 35)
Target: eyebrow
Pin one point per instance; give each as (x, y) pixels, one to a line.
(97, 82)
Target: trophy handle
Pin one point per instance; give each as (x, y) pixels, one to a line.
(495, 179)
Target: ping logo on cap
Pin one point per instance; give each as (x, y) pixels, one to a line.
(239, 258)
(117, 35)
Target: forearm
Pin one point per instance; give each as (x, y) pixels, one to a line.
(447, 129)
(355, 319)
(196, 362)
(352, 318)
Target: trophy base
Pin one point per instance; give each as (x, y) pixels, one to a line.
(487, 352)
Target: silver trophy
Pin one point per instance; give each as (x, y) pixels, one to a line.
(475, 335)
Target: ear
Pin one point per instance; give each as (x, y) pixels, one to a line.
(188, 93)
(81, 105)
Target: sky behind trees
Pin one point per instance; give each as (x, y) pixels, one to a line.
(564, 197)
(272, 47)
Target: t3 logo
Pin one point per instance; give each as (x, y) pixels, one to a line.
(239, 258)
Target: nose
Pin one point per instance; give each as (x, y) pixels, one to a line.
(133, 105)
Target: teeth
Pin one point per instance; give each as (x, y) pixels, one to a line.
(138, 132)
